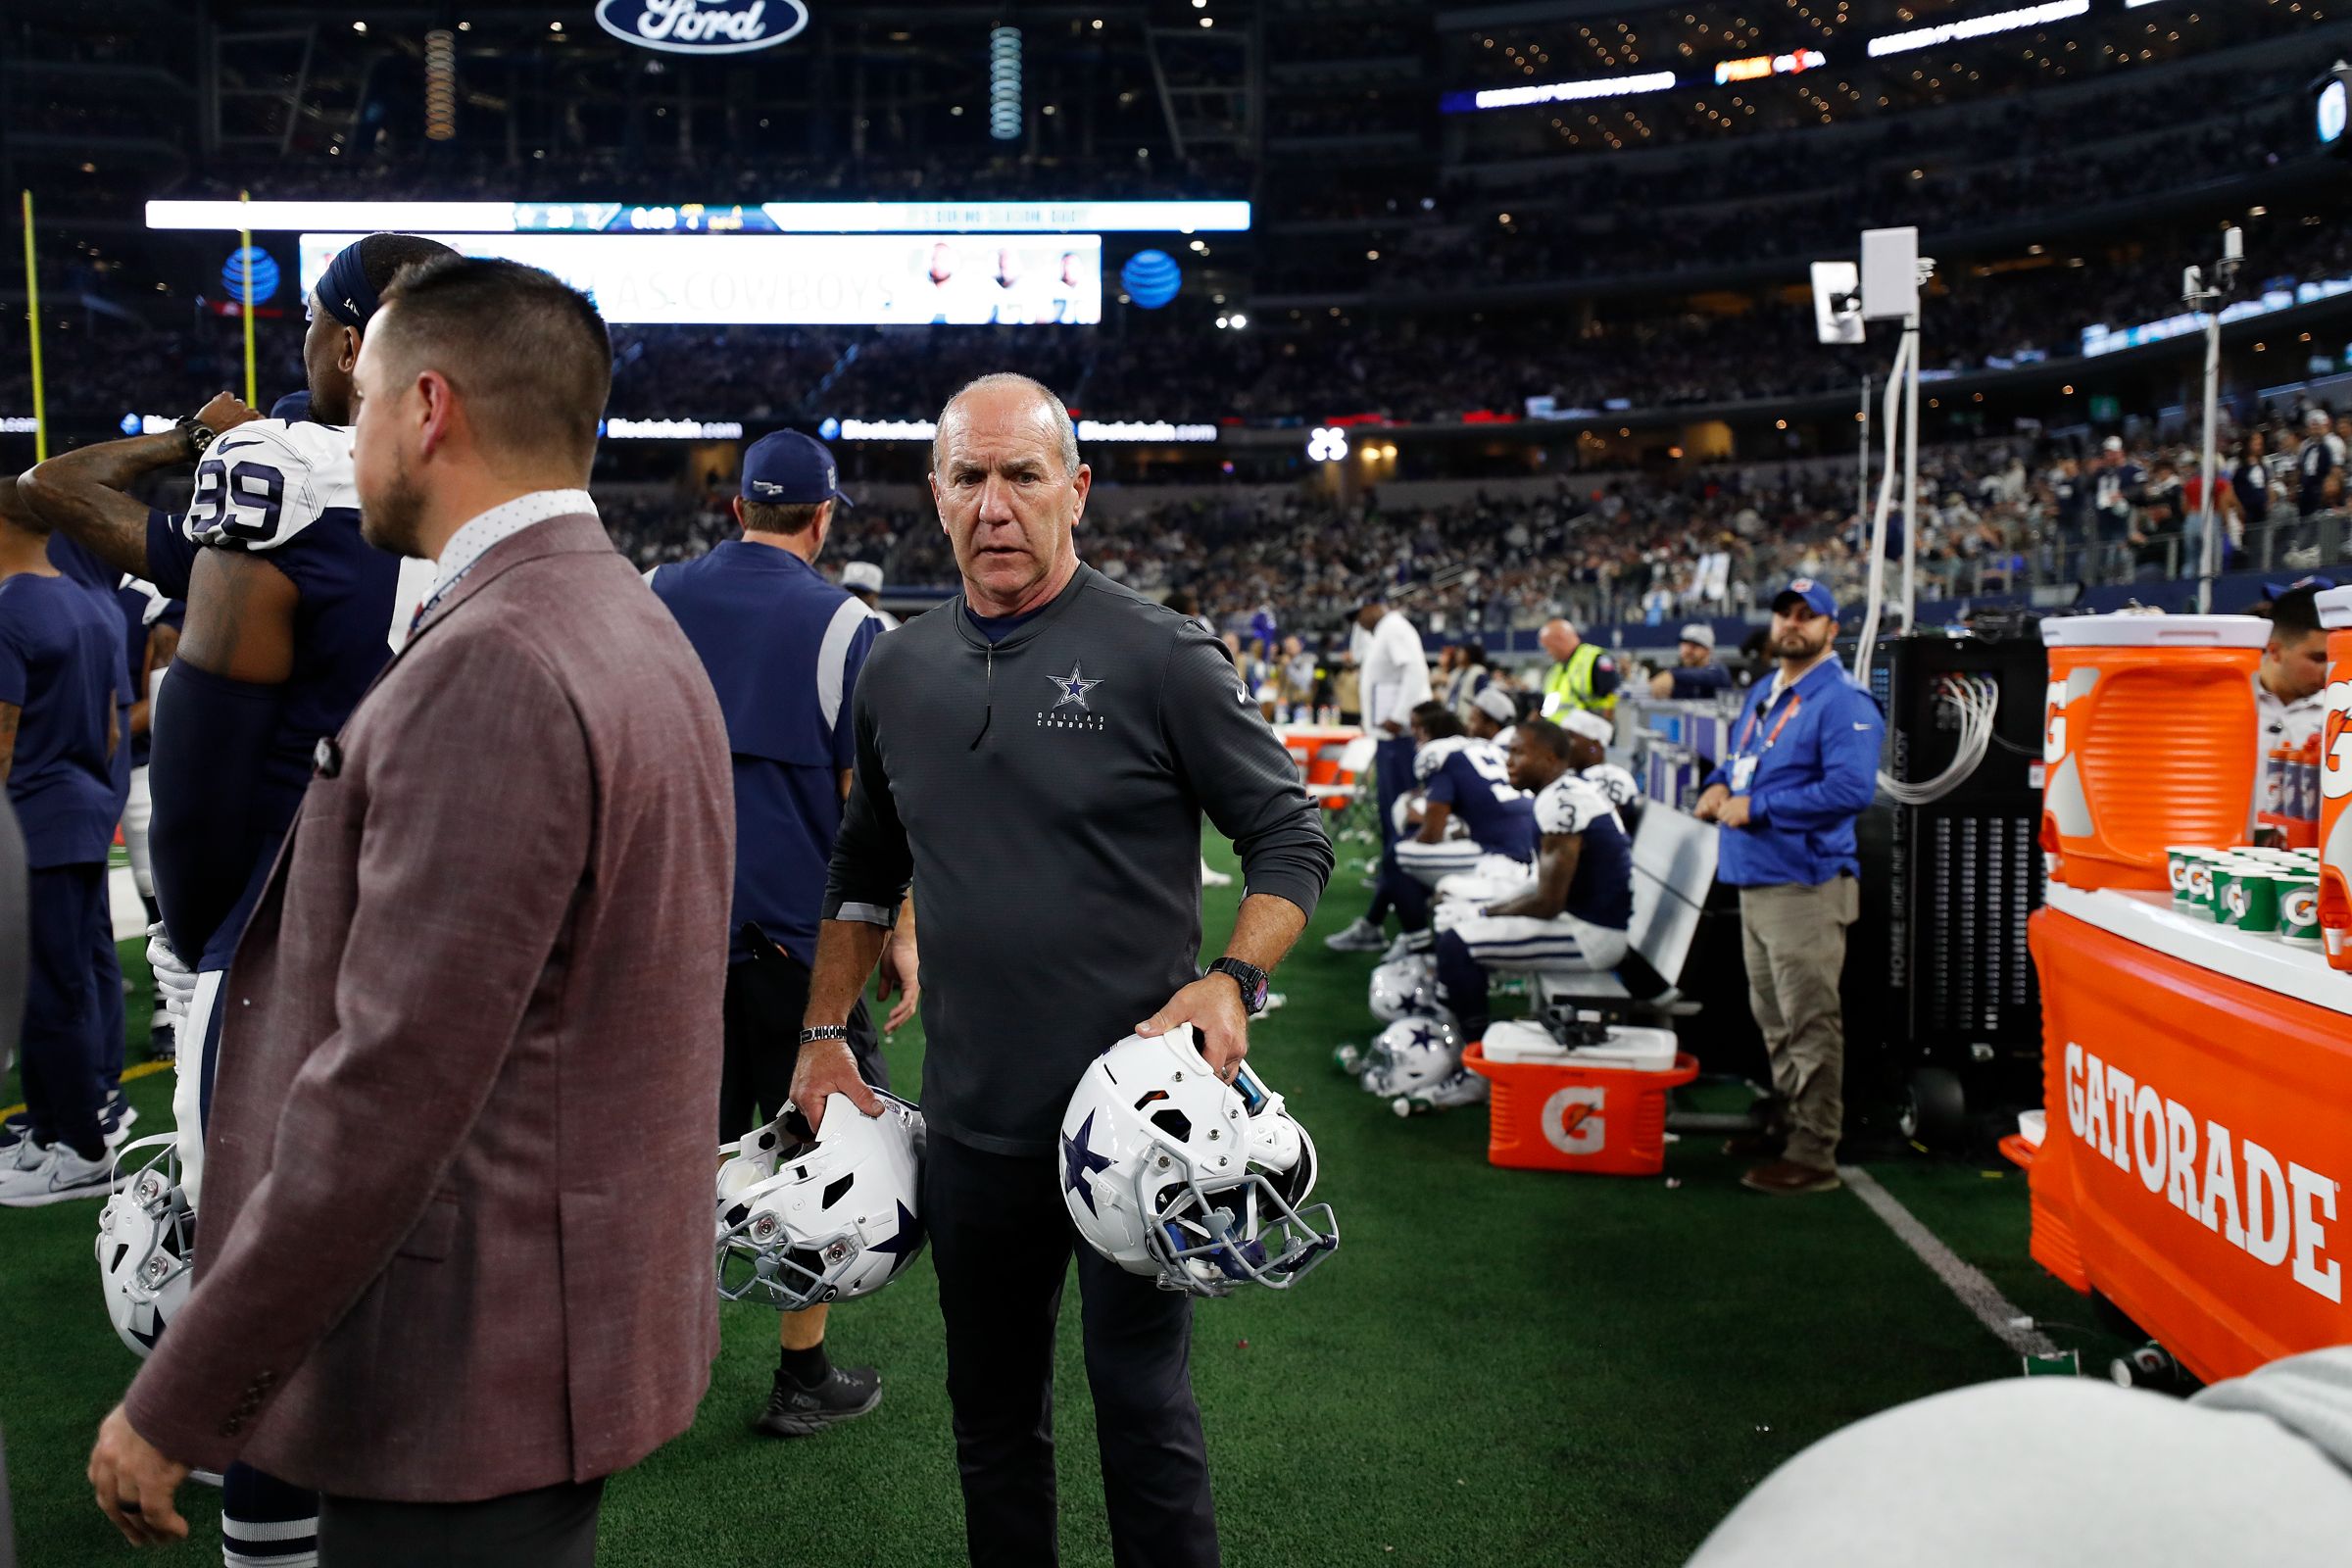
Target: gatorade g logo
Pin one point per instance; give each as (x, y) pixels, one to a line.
(1572, 1120)
(2300, 910)
(2335, 742)
(2236, 899)
(2053, 724)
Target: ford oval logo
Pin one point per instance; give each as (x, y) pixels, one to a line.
(702, 27)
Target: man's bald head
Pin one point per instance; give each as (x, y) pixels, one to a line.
(1560, 639)
(1003, 393)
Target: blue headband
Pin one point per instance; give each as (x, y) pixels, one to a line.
(344, 291)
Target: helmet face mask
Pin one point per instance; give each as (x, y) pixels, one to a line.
(146, 1243)
(803, 1222)
(1171, 1173)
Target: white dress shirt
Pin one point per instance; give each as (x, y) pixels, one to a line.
(1395, 676)
(501, 521)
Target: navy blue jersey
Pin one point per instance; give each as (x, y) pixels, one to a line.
(1473, 779)
(1601, 893)
(61, 656)
(2115, 490)
(783, 648)
(2323, 455)
(286, 490)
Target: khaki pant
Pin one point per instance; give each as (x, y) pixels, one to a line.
(1795, 938)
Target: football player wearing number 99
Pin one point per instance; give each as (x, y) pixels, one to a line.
(290, 615)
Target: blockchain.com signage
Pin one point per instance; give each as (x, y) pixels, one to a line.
(703, 26)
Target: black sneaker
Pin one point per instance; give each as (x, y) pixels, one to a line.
(797, 1411)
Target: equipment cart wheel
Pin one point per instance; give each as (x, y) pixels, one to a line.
(2152, 1366)
(1935, 1108)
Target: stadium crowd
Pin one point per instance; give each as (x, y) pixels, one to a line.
(1996, 516)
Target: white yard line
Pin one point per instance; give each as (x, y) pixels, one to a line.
(1963, 1279)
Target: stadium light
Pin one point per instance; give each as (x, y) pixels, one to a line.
(1757, 65)
(1943, 33)
(1560, 92)
(1328, 444)
(440, 85)
(1004, 83)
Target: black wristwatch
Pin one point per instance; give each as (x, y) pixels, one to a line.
(197, 433)
(1250, 979)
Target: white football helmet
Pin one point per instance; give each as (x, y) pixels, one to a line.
(1169, 1172)
(801, 1222)
(146, 1241)
(1412, 1056)
(1405, 988)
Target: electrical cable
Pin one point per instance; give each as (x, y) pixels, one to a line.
(1977, 698)
(1878, 528)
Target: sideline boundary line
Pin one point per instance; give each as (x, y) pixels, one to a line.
(142, 1071)
(1963, 1279)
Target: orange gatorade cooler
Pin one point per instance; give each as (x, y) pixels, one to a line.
(2335, 782)
(2148, 740)
(1578, 1115)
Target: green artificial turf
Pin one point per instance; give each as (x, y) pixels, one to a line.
(1498, 1367)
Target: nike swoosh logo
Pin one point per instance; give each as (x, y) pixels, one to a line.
(233, 446)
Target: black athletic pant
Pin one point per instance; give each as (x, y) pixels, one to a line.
(767, 996)
(554, 1527)
(1001, 1243)
(64, 1051)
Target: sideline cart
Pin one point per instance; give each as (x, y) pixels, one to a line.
(2198, 1086)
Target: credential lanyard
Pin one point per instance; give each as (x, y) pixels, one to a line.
(1748, 733)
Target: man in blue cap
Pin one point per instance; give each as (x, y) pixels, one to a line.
(1804, 764)
(783, 648)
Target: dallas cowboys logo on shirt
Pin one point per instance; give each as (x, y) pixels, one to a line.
(1070, 691)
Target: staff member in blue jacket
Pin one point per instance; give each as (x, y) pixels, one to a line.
(783, 648)
(1804, 764)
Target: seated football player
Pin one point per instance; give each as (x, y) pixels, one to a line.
(1574, 915)
(1469, 780)
(1589, 737)
(1491, 717)
(1468, 818)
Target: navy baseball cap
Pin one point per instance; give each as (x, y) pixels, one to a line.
(2280, 590)
(1812, 593)
(787, 468)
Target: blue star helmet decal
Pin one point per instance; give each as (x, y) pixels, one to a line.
(1080, 1162)
(907, 1241)
(1072, 688)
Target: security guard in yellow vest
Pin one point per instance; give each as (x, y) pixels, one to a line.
(1582, 676)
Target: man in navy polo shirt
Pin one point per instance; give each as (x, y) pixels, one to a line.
(1804, 764)
(783, 648)
(60, 681)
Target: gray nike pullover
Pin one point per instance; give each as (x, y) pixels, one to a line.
(1044, 794)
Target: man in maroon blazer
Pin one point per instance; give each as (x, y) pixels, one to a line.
(455, 1262)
